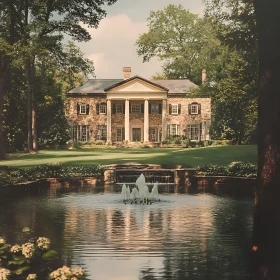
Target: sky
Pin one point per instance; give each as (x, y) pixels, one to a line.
(113, 43)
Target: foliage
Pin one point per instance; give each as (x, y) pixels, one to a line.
(11, 175)
(237, 168)
(184, 41)
(33, 260)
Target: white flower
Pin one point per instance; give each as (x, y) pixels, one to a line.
(43, 243)
(28, 250)
(2, 241)
(4, 274)
(31, 277)
(77, 271)
(26, 229)
(16, 249)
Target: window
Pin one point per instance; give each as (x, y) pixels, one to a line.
(154, 108)
(194, 108)
(83, 109)
(194, 131)
(102, 109)
(135, 108)
(119, 108)
(80, 133)
(120, 134)
(174, 108)
(153, 134)
(173, 129)
(101, 132)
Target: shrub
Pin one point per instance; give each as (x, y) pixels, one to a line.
(33, 260)
(11, 175)
(239, 169)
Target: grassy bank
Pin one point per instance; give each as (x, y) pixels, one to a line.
(192, 157)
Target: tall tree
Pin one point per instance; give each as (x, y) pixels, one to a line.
(40, 22)
(266, 236)
(184, 41)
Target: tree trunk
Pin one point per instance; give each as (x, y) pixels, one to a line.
(265, 261)
(2, 92)
(34, 129)
(29, 108)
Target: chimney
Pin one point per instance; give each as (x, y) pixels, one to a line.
(203, 76)
(126, 72)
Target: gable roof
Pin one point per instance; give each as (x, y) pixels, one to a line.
(99, 86)
(133, 78)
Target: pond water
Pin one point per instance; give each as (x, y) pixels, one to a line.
(184, 236)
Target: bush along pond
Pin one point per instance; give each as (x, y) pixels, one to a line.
(33, 260)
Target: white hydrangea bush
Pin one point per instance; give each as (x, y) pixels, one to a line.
(31, 277)
(16, 249)
(5, 274)
(43, 243)
(2, 241)
(28, 250)
(67, 273)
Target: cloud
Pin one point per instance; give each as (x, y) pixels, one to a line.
(113, 46)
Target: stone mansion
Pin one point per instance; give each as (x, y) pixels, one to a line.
(135, 109)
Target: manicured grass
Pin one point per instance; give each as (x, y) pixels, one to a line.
(191, 157)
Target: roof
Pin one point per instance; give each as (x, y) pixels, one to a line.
(135, 77)
(95, 86)
(176, 86)
(102, 85)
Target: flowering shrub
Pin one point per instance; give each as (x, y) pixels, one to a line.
(33, 260)
(67, 273)
(4, 274)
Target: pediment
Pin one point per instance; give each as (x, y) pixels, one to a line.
(136, 84)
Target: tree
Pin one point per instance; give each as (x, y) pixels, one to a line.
(42, 22)
(266, 241)
(186, 43)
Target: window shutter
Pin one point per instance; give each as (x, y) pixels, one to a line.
(130, 108)
(87, 109)
(113, 108)
(123, 133)
(150, 108)
(199, 108)
(179, 109)
(160, 108)
(97, 108)
(200, 131)
(78, 108)
(170, 109)
(189, 106)
(142, 108)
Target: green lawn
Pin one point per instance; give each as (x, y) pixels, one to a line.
(220, 155)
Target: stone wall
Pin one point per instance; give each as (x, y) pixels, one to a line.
(93, 120)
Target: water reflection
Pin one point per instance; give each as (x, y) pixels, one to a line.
(183, 236)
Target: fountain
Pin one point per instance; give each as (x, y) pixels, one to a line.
(140, 192)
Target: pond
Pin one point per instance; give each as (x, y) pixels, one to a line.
(183, 236)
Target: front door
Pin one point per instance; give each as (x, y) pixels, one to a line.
(153, 134)
(136, 134)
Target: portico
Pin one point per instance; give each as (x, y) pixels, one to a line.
(144, 111)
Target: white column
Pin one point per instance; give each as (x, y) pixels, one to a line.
(109, 122)
(146, 120)
(163, 137)
(126, 120)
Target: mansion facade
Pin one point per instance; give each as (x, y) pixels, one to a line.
(135, 109)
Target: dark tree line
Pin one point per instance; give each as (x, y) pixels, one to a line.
(32, 54)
